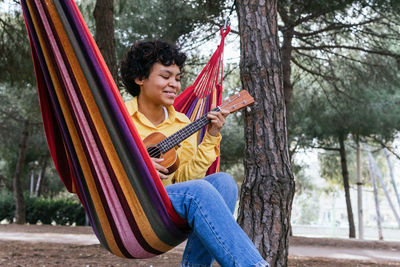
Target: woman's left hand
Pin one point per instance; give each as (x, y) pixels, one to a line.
(217, 121)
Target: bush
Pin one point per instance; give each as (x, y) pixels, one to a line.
(61, 211)
(7, 206)
(45, 210)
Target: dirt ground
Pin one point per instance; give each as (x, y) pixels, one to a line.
(50, 253)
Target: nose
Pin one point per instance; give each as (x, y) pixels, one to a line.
(174, 83)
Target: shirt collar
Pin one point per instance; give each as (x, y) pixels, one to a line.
(133, 111)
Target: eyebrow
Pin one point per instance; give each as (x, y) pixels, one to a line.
(170, 72)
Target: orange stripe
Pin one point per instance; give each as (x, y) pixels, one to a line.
(75, 137)
(142, 221)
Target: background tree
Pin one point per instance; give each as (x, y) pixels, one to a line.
(315, 32)
(22, 140)
(361, 102)
(267, 190)
(104, 24)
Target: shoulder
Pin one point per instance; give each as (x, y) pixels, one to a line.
(131, 105)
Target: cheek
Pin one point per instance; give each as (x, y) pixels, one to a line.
(161, 83)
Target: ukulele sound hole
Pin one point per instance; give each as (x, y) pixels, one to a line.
(154, 151)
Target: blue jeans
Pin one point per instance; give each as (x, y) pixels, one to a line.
(207, 204)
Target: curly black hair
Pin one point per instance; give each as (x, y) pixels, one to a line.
(141, 57)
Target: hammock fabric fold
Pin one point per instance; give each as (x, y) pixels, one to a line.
(205, 93)
(94, 145)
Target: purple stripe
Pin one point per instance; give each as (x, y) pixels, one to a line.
(134, 151)
(189, 113)
(58, 113)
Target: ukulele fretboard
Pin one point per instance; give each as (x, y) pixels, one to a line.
(175, 139)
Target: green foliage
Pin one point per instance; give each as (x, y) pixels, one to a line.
(16, 66)
(167, 20)
(45, 210)
(61, 211)
(363, 102)
(7, 206)
(304, 183)
(18, 97)
(232, 143)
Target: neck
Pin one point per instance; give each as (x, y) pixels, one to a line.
(153, 112)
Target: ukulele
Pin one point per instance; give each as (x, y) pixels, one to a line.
(160, 146)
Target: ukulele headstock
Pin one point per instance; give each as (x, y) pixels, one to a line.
(238, 101)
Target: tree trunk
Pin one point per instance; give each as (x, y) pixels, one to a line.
(268, 188)
(286, 50)
(31, 183)
(17, 188)
(359, 193)
(104, 20)
(380, 178)
(376, 199)
(392, 175)
(42, 175)
(345, 174)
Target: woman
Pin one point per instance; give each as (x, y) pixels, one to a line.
(151, 73)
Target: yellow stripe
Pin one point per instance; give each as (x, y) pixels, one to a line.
(76, 141)
(130, 195)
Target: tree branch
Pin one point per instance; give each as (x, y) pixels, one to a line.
(322, 47)
(335, 26)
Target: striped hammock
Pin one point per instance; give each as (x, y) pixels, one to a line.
(94, 145)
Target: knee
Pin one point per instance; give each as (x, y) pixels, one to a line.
(229, 182)
(226, 186)
(224, 182)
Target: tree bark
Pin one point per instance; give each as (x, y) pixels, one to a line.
(104, 21)
(268, 188)
(376, 198)
(346, 184)
(359, 193)
(42, 175)
(17, 188)
(286, 51)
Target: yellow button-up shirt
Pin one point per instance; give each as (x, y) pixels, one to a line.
(194, 159)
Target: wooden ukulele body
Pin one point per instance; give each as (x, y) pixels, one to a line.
(160, 146)
(171, 160)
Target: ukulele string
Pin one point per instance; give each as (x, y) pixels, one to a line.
(233, 98)
(155, 151)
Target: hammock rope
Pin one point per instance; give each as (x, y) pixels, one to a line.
(94, 145)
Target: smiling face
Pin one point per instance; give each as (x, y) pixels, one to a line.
(162, 85)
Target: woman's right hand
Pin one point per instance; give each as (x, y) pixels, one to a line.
(161, 170)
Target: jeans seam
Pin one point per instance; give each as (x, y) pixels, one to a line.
(189, 248)
(212, 228)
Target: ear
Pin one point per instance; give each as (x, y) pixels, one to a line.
(138, 81)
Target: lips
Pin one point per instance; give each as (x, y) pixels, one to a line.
(170, 93)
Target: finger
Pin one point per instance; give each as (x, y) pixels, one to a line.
(220, 119)
(157, 159)
(161, 168)
(225, 112)
(221, 116)
(162, 176)
(215, 116)
(158, 166)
